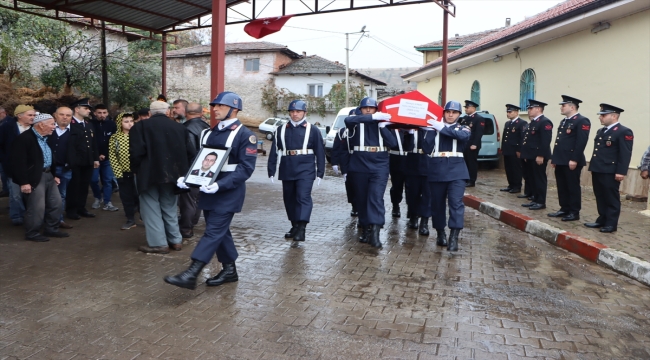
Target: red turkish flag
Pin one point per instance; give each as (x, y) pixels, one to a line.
(412, 108)
(259, 28)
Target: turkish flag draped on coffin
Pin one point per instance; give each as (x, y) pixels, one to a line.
(412, 108)
(259, 28)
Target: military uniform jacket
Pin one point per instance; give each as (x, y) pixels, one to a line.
(612, 150)
(340, 152)
(398, 154)
(445, 169)
(298, 166)
(537, 139)
(476, 123)
(232, 185)
(368, 161)
(84, 144)
(571, 140)
(513, 136)
(417, 161)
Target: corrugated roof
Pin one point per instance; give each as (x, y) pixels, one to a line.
(314, 64)
(560, 12)
(459, 41)
(252, 46)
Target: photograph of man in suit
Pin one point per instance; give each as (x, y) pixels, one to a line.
(206, 164)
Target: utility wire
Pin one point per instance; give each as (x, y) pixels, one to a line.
(404, 51)
(395, 51)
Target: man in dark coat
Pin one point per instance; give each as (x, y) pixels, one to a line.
(160, 154)
(511, 148)
(188, 200)
(569, 158)
(536, 150)
(608, 166)
(476, 123)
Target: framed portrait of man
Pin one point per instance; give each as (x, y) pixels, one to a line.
(206, 166)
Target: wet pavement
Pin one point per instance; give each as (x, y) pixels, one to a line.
(504, 295)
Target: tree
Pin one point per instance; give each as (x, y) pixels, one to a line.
(15, 58)
(337, 94)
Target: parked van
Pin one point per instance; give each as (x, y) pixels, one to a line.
(491, 140)
(339, 123)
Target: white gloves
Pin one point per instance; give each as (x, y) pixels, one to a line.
(411, 131)
(272, 179)
(381, 116)
(318, 182)
(210, 189)
(181, 183)
(345, 177)
(336, 169)
(438, 125)
(384, 124)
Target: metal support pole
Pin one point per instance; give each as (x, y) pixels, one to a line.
(218, 60)
(164, 64)
(347, 69)
(104, 66)
(445, 50)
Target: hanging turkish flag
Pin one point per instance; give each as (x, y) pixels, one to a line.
(259, 28)
(412, 108)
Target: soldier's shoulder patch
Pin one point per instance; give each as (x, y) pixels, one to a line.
(548, 127)
(586, 127)
(629, 137)
(233, 127)
(615, 128)
(252, 139)
(251, 151)
(482, 123)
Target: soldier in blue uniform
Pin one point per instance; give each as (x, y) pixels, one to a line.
(608, 166)
(511, 148)
(568, 158)
(447, 172)
(397, 168)
(476, 123)
(536, 151)
(418, 196)
(299, 146)
(225, 197)
(368, 140)
(340, 160)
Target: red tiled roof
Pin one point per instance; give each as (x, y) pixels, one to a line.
(458, 41)
(560, 12)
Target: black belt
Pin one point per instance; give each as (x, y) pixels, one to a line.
(47, 170)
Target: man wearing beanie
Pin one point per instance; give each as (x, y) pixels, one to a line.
(32, 171)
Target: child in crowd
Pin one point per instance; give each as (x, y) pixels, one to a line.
(118, 155)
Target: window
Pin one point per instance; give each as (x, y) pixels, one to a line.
(476, 94)
(526, 87)
(252, 64)
(316, 90)
(440, 97)
(488, 129)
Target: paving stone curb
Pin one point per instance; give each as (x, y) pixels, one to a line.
(618, 261)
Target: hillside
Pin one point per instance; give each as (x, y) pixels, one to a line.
(391, 76)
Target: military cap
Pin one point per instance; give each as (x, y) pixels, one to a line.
(566, 99)
(470, 103)
(510, 107)
(609, 109)
(81, 102)
(533, 103)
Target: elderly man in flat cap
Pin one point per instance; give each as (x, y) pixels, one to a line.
(32, 171)
(9, 131)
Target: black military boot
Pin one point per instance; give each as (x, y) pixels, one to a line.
(453, 240)
(441, 239)
(300, 232)
(187, 279)
(424, 226)
(413, 222)
(373, 236)
(364, 234)
(396, 212)
(354, 212)
(291, 232)
(227, 274)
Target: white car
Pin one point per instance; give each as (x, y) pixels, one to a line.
(269, 125)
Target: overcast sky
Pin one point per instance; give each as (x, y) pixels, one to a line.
(399, 27)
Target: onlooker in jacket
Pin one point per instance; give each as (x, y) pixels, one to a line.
(9, 131)
(645, 164)
(104, 128)
(62, 143)
(32, 171)
(187, 201)
(3, 176)
(160, 154)
(119, 156)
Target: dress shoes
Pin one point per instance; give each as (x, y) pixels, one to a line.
(354, 212)
(607, 229)
(413, 222)
(424, 226)
(506, 189)
(38, 238)
(523, 196)
(558, 214)
(176, 247)
(514, 191)
(593, 225)
(537, 207)
(73, 216)
(470, 184)
(186, 235)
(227, 274)
(86, 214)
(396, 211)
(56, 234)
(529, 204)
(63, 225)
(154, 249)
(571, 217)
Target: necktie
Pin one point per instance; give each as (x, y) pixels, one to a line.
(203, 174)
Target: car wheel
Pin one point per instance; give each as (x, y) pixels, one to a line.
(269, 136)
